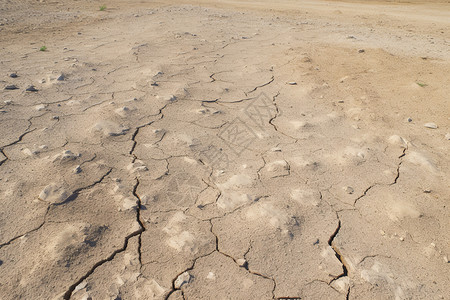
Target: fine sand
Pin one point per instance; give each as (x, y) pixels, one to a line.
(224, 149)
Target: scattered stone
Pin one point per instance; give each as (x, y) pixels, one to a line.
(11, 87)
(211, 276)
(13, 75)
(292, 83)
(427, 191)
(398, 140)
(110, 128)
(348, 189)
(361, 51)
(66, 155)
(62, 77)
(137, 166)
(28, 152)
(123, 111)
(242, 262)
(31, 88)
(77, 169)
(55, 118)
(409, 120)
(431, 125)
(184, 278)
(351, 37)
(447, 136)
(40, 107)
(341, 284)
(446, 259)
(81, 286)
(154, 84)
(401, 238)
(53, 193)
(129, 203)
(7, 102)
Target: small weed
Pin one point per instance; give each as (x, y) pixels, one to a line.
(43, 48)
(421, 84)
(103, 8)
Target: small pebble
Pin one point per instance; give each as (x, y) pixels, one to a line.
(431, 125)
(7, 102)
(154, 84)
(13, 75)
(31, 88)
(11, 87)
(446, 259)
(361, 51)
(184, 278)
(402, 239)
(409, 120)
(242, 262)
(61, 77)
(349, 190)
(55, 118)
(77, 170)
(292, 83)
(447, 136)
(40, 107)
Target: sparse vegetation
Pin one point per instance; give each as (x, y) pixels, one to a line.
(43, 48)
(103, 8)
(421, 84)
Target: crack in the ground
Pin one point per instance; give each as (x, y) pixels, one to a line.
(245, 266)
(173, 288)
(260, 86)
(67, 295)
(364, 194)
(28, 232)
(399, 165)
(75, 193)
(5, 159)
(277, 114)
(338, 255)
(397, 176)
(139, 220)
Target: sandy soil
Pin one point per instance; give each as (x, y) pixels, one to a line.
(224, 150)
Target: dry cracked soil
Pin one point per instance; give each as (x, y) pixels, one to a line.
(224, 149)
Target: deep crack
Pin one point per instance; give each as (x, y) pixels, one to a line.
(337, 252)
(138, 233)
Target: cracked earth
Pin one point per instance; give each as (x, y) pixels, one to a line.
(224, 150)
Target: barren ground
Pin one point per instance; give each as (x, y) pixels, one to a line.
(224, 150)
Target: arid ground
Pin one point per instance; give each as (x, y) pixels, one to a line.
(224, 149)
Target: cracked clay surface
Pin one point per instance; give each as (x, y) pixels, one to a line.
(224, 151)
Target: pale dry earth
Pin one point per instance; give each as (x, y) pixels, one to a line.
(225, 150)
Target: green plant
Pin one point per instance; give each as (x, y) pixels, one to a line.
(421, 84)
(43, 48)
(103, 7)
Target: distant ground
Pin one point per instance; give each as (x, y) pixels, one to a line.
(224, 149)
